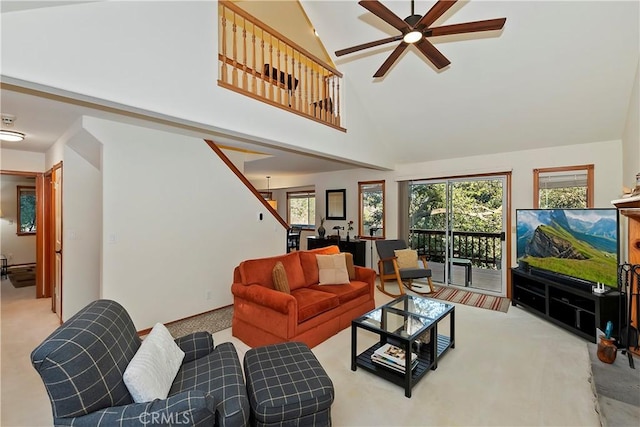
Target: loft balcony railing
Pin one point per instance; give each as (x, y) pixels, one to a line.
(257, 61)
(483, 249)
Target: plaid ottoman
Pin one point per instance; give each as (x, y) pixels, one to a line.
(287, 386)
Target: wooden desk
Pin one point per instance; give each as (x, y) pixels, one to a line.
(356, 247)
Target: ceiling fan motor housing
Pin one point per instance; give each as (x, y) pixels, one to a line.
(412, 20)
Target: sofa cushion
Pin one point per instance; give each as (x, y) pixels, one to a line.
(310, 264)
(407, 258)
(154, 367)
(346, 292)
(280, 281)
(313, 302)
(332, 269)
(259, 271)
(218, 374)
(351, 269)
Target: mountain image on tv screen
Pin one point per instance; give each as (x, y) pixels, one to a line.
(580, 243)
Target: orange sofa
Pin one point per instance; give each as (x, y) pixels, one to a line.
(311, 313)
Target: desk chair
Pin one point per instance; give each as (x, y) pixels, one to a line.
(389, 270)
(293, 239)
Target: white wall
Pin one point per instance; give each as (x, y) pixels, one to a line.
(176, 221)
(82, 228)
(22, 161)
(606, 156)
(631, 136)
(143, 55)
(17, 249)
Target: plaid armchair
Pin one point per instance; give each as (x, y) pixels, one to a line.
(83, 361)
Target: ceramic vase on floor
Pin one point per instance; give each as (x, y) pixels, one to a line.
(607, 349)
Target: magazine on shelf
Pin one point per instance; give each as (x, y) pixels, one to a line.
(384, 362)
(394, 356)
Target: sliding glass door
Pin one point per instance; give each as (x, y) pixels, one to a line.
(460, 224)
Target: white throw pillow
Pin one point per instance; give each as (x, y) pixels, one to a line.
(154, 366)
(332, 269)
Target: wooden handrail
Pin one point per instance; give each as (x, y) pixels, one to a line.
(246, 182)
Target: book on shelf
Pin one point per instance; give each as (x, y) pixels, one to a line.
(393, 356)
(385, 362)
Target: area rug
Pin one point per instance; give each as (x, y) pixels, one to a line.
(21, 277)
(212, 322)
(617, 388)
(471, 298)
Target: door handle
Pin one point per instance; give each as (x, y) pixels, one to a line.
(59, 251)
(503, 236)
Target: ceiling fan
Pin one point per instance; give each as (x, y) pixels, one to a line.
(417, 29)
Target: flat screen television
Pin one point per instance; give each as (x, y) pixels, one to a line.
(579, 245)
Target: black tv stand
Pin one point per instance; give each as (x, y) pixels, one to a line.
(570, 307)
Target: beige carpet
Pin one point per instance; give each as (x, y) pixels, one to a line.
(508, 369)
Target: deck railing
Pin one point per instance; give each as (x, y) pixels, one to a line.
(483, 249)
(259, 62)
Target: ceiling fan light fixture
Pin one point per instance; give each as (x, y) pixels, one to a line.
(11, 136)
(412, 36)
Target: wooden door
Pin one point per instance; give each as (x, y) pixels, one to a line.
(56, 214)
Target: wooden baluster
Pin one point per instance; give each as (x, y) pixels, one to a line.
(254, 85)
(234, 70)
(271, 95)
(279, 68)
(264, 80)
(223, 71)
(306, 100)
(313, 96)
(333, 97)
(245, 83)
(286, 77)
(338, 102)
(323, 95)
(298, 106)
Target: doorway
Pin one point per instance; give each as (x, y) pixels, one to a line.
(460, 225)
(52, 238)
(21, 230)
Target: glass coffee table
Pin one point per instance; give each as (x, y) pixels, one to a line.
(406, 323)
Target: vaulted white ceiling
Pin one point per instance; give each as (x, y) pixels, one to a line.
(559, 73)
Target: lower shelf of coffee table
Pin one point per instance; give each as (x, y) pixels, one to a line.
(424, 363)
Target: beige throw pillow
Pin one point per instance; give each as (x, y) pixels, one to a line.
(332, 269)
(351, 269)
(407, 258)
(279, 276)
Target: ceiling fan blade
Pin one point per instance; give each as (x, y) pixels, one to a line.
(468, 27)
(432, 54)
(385, 14)
(367, 45)
(434, 13)
(391, 59)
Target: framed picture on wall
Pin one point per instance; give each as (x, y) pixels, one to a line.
(336, 204)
